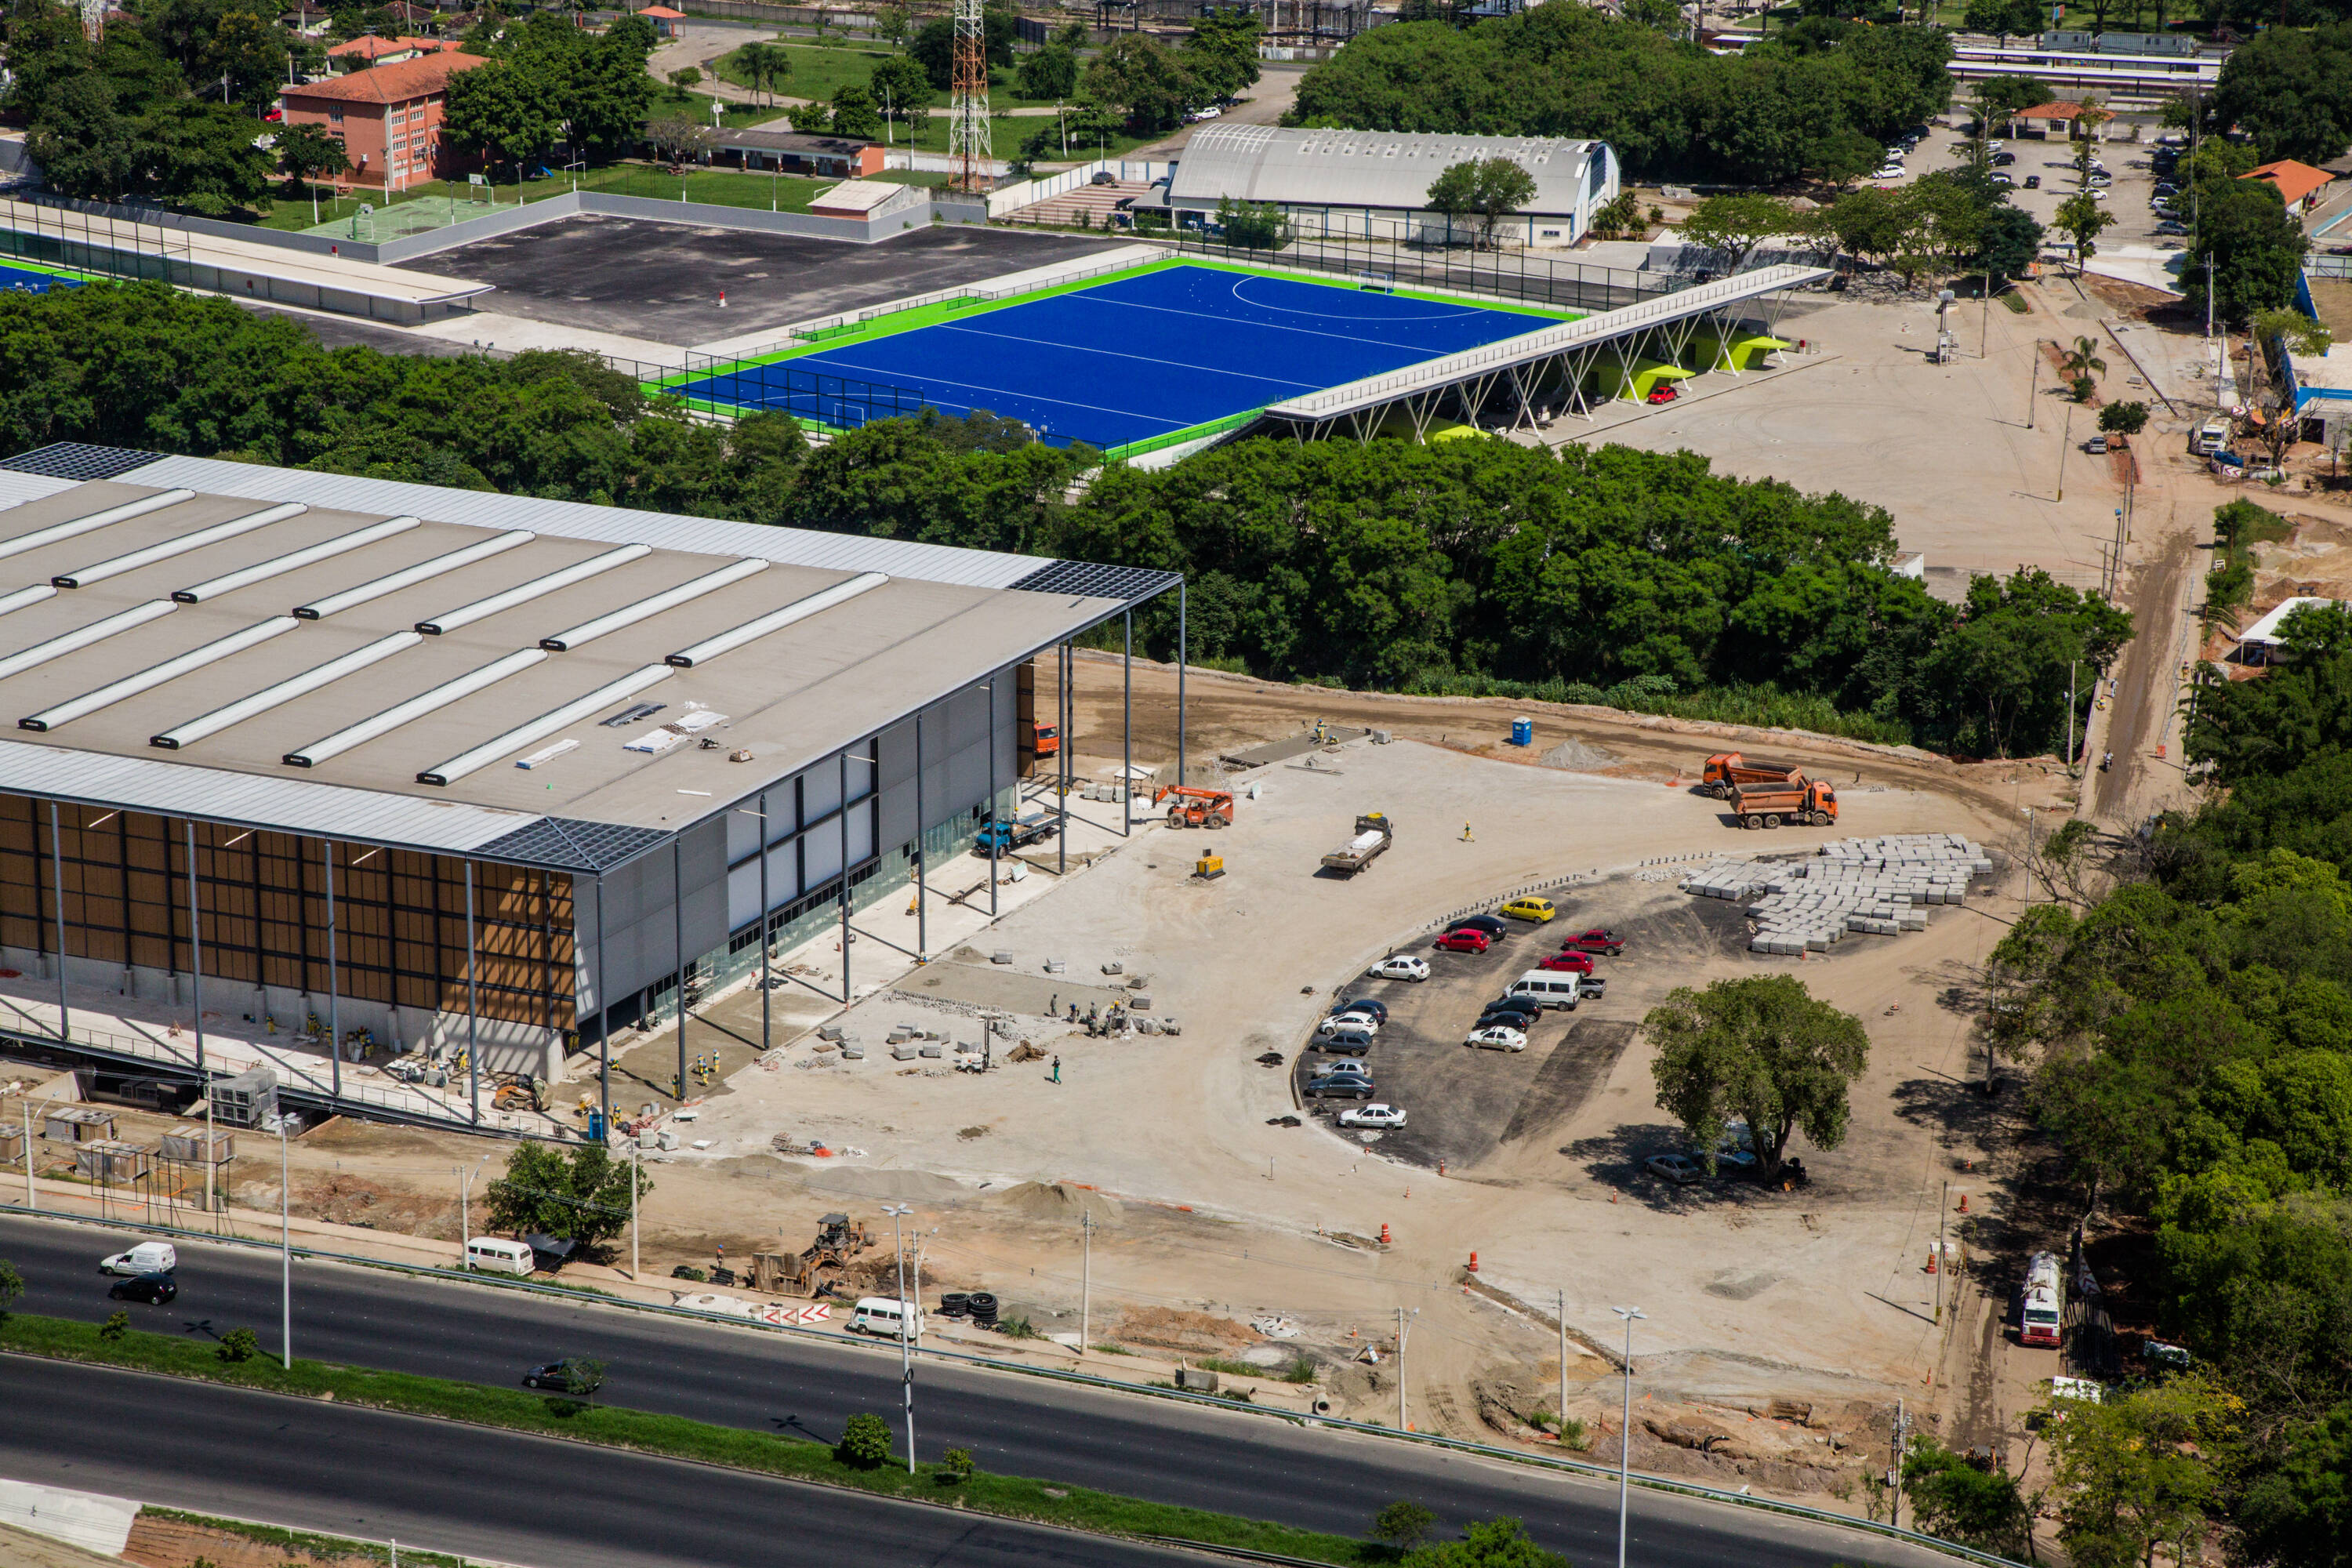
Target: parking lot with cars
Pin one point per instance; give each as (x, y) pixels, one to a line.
(1452, 1066)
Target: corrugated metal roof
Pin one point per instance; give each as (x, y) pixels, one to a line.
(580, 519)
(16, 489)
(216, 795)
(1365, 168)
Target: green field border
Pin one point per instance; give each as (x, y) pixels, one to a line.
(19, 264)
(963, 309)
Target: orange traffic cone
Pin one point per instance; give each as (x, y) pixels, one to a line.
(1384, 1233)
(1473, 1263)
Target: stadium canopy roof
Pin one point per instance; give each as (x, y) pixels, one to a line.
(1384, 169)
(371, 659)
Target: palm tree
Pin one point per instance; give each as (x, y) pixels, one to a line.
(759, 62)
(2084, 359)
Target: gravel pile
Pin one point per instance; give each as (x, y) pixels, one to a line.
(1875, 886)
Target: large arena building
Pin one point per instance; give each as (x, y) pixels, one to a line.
(320, 758)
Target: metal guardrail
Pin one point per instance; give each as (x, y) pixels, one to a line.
(1205, 1401)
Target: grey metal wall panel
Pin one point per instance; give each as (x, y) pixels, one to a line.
(702, 853)
(898, 814)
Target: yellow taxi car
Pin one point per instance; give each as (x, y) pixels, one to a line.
(1536, 909)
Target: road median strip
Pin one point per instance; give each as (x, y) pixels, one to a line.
(572, 1419)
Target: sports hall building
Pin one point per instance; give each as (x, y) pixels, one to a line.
(1375, 183)
(305, 758)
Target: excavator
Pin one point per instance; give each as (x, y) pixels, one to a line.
(1194, 806)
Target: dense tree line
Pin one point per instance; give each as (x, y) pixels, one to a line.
(548, 80)
(2291, 90)
(1800, 103)
(166, 105)
(2191, 1032)
(1591, 575)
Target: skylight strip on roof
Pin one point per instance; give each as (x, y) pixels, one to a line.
(777, 620)
(97, 520)
(524, 593)
(630, 615)
(285, 691)
(417, 707)
(23, 596)
(280, 564)
(157, 675)
(423, 572)
(97, 631)
(546, 724)
(98, 572)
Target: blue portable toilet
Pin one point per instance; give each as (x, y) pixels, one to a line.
(1523, 732)
(595, 1127)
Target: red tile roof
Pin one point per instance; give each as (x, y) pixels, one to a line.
(2057, 108)
(371, 46)
(663, 13)
(387, 84)
(2294, 180)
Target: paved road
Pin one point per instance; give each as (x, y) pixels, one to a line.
(310, 1466)
(1318, 1478)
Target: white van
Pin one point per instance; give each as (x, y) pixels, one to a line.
(147, 1257)
(496, 1255)
(889, 1318)
(1547, 987)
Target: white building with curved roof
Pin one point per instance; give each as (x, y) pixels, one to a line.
(1375, 183)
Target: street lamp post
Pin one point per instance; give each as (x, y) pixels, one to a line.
(285, 1249)
(1626, 1428)
(898, 1211)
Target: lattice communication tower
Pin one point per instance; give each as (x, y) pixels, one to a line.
(968, 101)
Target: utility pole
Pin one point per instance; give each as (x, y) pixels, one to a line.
(30, 1201)
(1563, 1367)
(2065, 441)
(2032, 383)
(285, 1248)
(633, 1209)
(465, 1226)
(1400, 1369)
(2071, 666)
(1902, 1426)
(1625, 1429)
(1941, 1256)
(898, 1211)
(1085, 1282)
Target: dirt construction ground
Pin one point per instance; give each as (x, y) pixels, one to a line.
(1210, 1213)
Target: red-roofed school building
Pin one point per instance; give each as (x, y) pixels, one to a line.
(388, 119)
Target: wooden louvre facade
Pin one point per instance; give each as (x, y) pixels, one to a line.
(400, 915)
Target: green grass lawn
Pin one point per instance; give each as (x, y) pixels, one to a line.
(820, 72)
(721, 188)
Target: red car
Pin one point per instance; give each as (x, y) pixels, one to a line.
(1573, 962)
(1600, 939)
(1464, 942)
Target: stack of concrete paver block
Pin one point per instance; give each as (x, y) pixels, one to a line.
(1875, 886)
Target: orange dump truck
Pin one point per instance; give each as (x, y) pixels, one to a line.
(1727, 771)
(1802, 802)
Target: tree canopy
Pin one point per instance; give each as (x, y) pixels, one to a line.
(1761, 1049)
(582, 1197)
(1668, 107)
(1590, 574)
(2291, 90)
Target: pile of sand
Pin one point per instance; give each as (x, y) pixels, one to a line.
(1196, 1333)
(1061, 1201)
(1577, 757)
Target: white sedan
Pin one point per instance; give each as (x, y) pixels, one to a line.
(1362, 1021)
(1372, 1116)
(1403, 966)
(1499, 1037)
